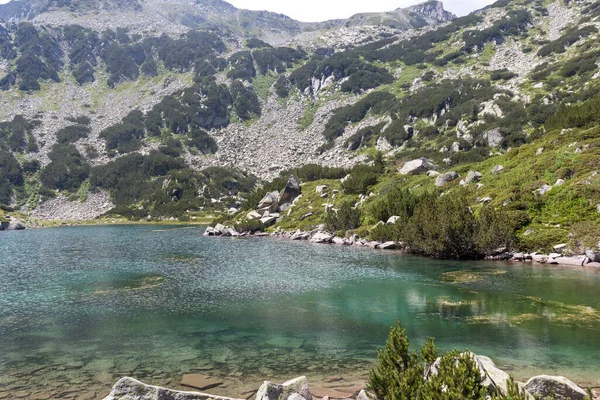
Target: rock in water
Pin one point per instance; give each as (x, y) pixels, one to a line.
(290, 192)
(131, 389)
(548, 386)
(198, 381)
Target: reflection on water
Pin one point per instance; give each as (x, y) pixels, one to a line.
(81, 307)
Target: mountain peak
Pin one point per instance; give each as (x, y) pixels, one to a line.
(433, 11)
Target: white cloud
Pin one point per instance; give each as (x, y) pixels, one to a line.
(319, 10)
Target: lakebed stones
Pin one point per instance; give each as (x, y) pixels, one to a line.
(198, 381)
(418, 166)
(129, 388)
(549, 386)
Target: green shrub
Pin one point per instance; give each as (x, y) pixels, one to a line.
(347, 217)
(400, 374)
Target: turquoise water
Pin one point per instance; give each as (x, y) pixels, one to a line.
(82, 306)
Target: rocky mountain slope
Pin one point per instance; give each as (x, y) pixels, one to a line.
(171, 116)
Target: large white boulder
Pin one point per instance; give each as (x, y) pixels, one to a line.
(558, 386)
(132, 389)
(418, 166)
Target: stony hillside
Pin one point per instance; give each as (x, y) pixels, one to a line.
(169, 117)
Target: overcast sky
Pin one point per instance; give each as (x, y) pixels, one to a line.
(321, 10)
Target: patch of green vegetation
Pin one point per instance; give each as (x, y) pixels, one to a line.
(262, 85)
(308, 116)
(469, 276)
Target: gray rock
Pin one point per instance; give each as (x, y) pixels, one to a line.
(455, 148)
(559, 182)
(539, 151)
(3, 225)
(433, 174)
(290, 192)
(393, 219)
(446, 178)
(131, 389)
(268, 221)
(15, 225)
(387, 246)
(321, 237)
(321, 189)
(253, 215)
(209, 231)
(493, 137)
(418, 166)
(295, 396)
(548, 386)
(363, 395)
(485, 200)
(473, 176)
(518, 257)
(542, 190)
(593, 255)
(560, 247)
(270, 202)
(274, 391)
(497, 170)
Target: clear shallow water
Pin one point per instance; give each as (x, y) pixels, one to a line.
(81, 307)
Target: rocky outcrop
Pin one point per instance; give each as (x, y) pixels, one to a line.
(15, 224)
(129, 388)
(418, 166)
(557, 387)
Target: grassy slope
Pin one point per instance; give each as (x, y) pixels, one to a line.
(552, 215)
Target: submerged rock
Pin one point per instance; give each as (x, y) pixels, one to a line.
(129, 388)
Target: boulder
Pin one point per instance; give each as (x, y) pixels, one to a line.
(321, 189)
(446, 178)
(129, 388)
(560, 247)
(418, 166)
(393, 219)
(493, 137)
(290, 192)
(387, 246)
(274, 391)
(485, 199)
(270, 202)
(253, 215)
(321, 237)
(363, 395)
(559, 182)
(209, 231)
(268, 221)
(473, 176)
(3, 225)
(593, 255)
(433, 174)
(15, 225)
(497, 170)
(542, 190)
(558, 386)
